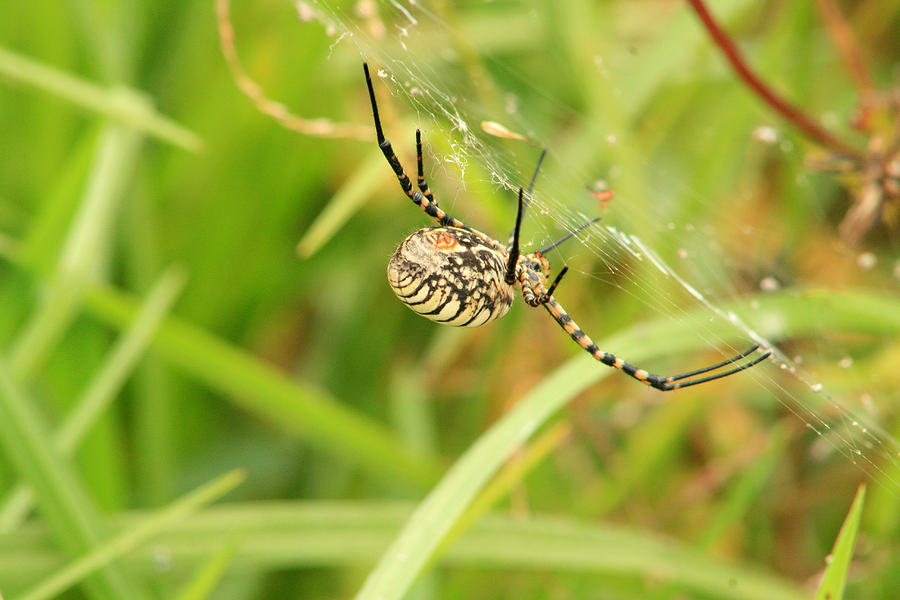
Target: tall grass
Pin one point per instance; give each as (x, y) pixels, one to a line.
(384, 455)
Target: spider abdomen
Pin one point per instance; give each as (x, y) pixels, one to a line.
(451, 276)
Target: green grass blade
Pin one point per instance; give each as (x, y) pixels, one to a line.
(650, 445)
(510, 475)
(779, 315)
(134, 537)
(302, 409)
(303, 534)
(105, 385)
(128, 107)
(747, 488)
(63, 501)
(210, 574)
(832, 586)
(442, 509)
(82, 254)
(347, 201)
(42, 242)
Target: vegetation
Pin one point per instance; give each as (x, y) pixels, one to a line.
(192, 405)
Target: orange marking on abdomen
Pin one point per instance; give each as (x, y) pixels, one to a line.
(444, 241)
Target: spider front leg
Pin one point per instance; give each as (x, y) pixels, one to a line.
(424, 202)
(423, 185)
(537, 169)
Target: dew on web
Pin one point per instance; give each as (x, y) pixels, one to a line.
(866, 260)
(412, 20)
(305, 12)
(656, 260)
(766, 134)
(769, 284)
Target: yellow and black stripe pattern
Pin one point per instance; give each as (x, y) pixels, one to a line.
(664, 384)
(581, 338)
(451, 276)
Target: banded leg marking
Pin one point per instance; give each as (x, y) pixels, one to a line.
(664, 384)
(423, 185)
(425, 202)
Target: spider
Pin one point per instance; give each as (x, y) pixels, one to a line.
(456, 275)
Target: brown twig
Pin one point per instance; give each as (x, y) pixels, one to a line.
(843, 39)
(782, 106)
(315, 127)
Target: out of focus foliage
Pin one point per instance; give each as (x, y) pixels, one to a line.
(129, 151)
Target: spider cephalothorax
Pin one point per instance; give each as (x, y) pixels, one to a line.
(456, 275)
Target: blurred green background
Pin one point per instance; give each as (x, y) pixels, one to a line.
(154, 308)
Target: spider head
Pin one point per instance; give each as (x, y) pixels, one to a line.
(536, 262)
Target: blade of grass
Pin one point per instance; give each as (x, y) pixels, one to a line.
(744, 491)
(356, 190)
(651, 445)
(414, 546)
(777, 315)
(132, 538)
(301, 409)
(210, 574)
(128, 107)
(41, 244)
(512, 474)
(63, 501)
(83, 253)
(832, 586)
(304, 534)
(442, 509)
(103, 388)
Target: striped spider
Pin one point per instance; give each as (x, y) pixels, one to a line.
(456, 275)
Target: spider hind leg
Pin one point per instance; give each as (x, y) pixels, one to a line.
(675, 380)
(665, 384)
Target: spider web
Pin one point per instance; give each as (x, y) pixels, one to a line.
(487, 139)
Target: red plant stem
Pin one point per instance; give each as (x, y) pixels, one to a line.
(792, 114)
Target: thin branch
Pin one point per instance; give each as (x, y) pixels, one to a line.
(845, 42)
(782, 106)
(314, 127)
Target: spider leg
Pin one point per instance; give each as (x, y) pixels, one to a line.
(423, 185)
(425, 203)
(537, 169)
(514, 244)
(581, 227)
(546, 298)
(664, 384)
(731, 360)
(732, 371)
